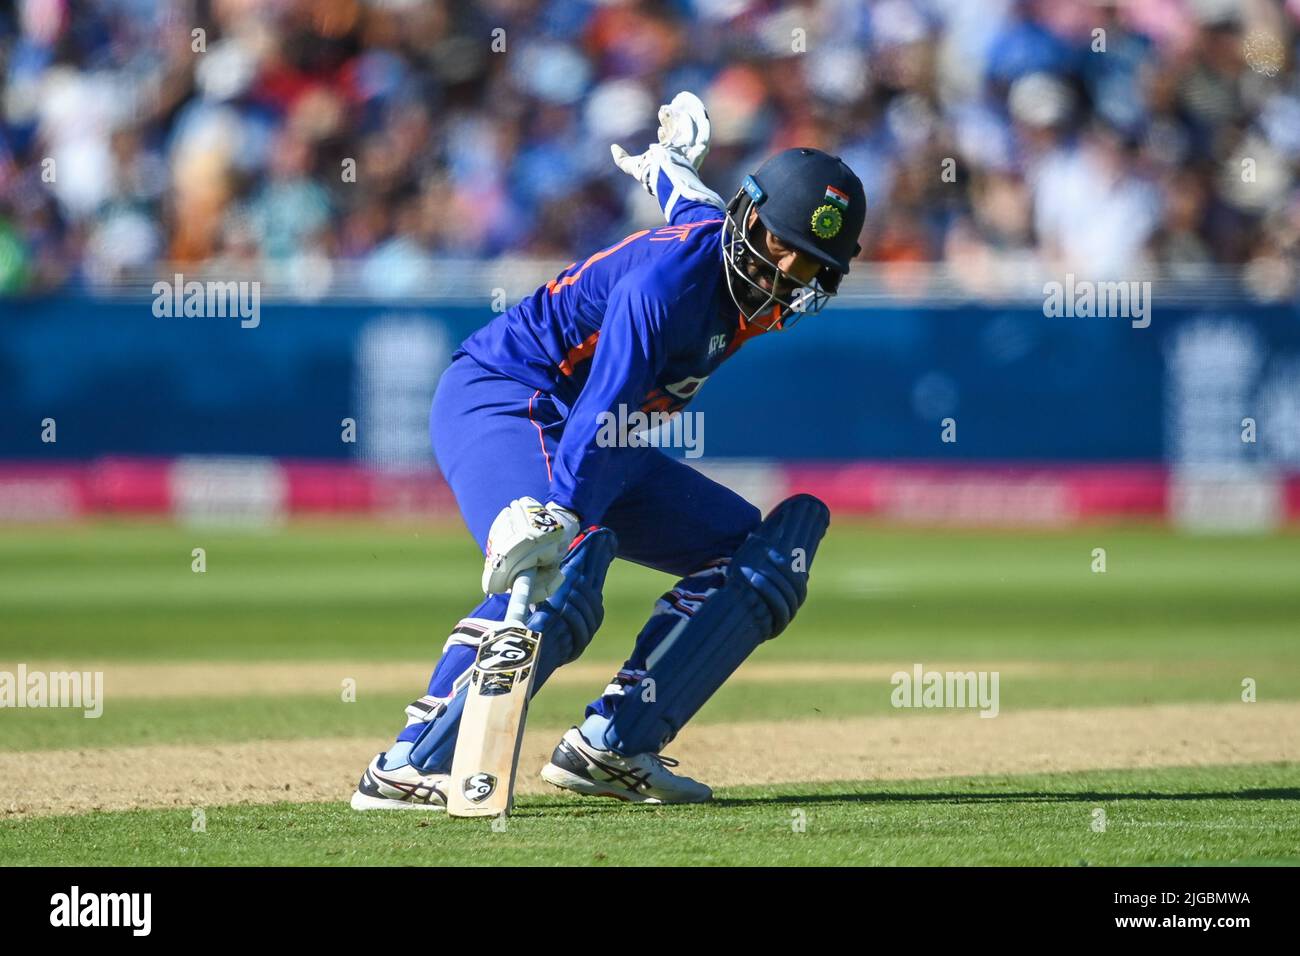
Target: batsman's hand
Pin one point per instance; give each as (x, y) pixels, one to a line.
(527, 534)
(683, 128)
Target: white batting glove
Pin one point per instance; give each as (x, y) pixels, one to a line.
(527, 534)
(683, 128)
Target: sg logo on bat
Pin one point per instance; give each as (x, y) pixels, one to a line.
(479, 786)
(510, 649)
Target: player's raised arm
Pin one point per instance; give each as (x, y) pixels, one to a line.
(669, 169)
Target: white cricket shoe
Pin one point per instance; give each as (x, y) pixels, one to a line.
(578, 766)
(402, 788)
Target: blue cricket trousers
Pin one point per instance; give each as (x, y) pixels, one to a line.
(495, 440)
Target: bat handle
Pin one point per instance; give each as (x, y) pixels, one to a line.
(517, 613)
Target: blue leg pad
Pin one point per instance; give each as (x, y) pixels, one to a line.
(767, 581)
(679, 604)
(567, 621)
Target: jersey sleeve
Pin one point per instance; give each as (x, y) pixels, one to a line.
(629, 355)
(682, 196)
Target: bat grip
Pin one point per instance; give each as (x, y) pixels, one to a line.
(517, 612)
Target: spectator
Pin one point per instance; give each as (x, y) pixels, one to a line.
(135, 134)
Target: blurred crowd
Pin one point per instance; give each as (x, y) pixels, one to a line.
(393, 137)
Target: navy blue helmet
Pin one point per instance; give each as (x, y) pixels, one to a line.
(810, 201)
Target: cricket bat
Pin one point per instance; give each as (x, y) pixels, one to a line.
(496, 708)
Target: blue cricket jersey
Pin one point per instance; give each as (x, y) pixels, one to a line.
(641, 324)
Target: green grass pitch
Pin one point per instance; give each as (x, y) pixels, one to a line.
(1173, 620)
(1170, 817)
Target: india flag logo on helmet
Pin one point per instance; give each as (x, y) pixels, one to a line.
(837, 198)
(829, 218)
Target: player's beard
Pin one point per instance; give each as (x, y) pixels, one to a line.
(753, 298)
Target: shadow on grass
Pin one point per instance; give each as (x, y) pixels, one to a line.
(588, 807)
(1083, 796)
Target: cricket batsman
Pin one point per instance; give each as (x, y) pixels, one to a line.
(517, 432)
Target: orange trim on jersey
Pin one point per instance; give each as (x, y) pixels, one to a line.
(659, 403)
(555, 285)
(776, 323)
(580, 353)
(680, 231)
(743, 335)
(541, 440)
